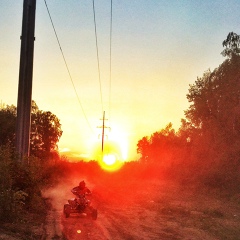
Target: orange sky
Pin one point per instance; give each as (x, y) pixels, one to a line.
(158, 49)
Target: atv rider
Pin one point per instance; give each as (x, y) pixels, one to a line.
(80, 191)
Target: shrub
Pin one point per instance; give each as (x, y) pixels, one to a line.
(19, 187)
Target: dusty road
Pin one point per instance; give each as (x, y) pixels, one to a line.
(148, 210)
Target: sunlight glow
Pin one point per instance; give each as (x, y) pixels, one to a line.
(110, 162)
(114, 151)
(109, 159)
(62, 150)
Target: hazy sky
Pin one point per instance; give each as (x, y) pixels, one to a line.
(159, 47)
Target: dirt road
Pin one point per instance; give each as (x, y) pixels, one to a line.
(152, 210)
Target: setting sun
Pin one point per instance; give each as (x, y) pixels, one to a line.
(110, 158)
(110, 163)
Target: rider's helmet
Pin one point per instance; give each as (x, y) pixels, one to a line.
(82, 185)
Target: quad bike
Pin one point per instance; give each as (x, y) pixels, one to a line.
(80, 205)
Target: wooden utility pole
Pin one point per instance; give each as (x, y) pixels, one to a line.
(103, 129)
(103, 126)
(25, 79)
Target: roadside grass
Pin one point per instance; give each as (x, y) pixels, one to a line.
(219, 221)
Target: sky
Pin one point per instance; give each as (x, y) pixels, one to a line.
(158, 48)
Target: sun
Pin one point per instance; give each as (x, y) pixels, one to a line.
(110, 159)
(112, 153)
(110, 163)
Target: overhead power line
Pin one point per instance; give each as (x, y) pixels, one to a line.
(110, 63)
(70, 76)
(96, 39)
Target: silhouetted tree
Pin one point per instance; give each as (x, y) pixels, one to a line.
(212, 121)
(45, 133)
(143, 148)
(159, 147)
(215, 101)
(45, 130)
(232, 45)
(7, 125)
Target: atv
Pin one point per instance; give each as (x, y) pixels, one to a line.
(80, 205)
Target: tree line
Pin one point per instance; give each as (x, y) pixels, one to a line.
(206, 147)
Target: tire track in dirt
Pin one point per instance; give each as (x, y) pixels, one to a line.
(136, 222)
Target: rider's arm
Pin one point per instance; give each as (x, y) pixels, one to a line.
(75, 190)
(87, 191)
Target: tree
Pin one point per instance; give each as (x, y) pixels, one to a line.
(232, 45)
(159, 146)
(45, 130)
(213, 119)
(7, 125)
(45, 133)
(143, 148)
(215, 100)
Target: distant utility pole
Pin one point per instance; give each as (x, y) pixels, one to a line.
(25, 79)
(103, 128)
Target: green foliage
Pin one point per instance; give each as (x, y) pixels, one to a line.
(7, 125)
(45, 133)
(215, 108)
(19, 197)
(19, 187)
(12, 194)
(232, 45)
(5, 183)
(45, 130)
(212, 123)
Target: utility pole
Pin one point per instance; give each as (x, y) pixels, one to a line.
(25, 79)
(103, 126)
(103, 129)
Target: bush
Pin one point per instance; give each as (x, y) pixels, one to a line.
(19, 187)
(6, 193)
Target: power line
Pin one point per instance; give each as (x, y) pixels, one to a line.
(99, 75)
(110, 64)
(70, 76)
(110, 61)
